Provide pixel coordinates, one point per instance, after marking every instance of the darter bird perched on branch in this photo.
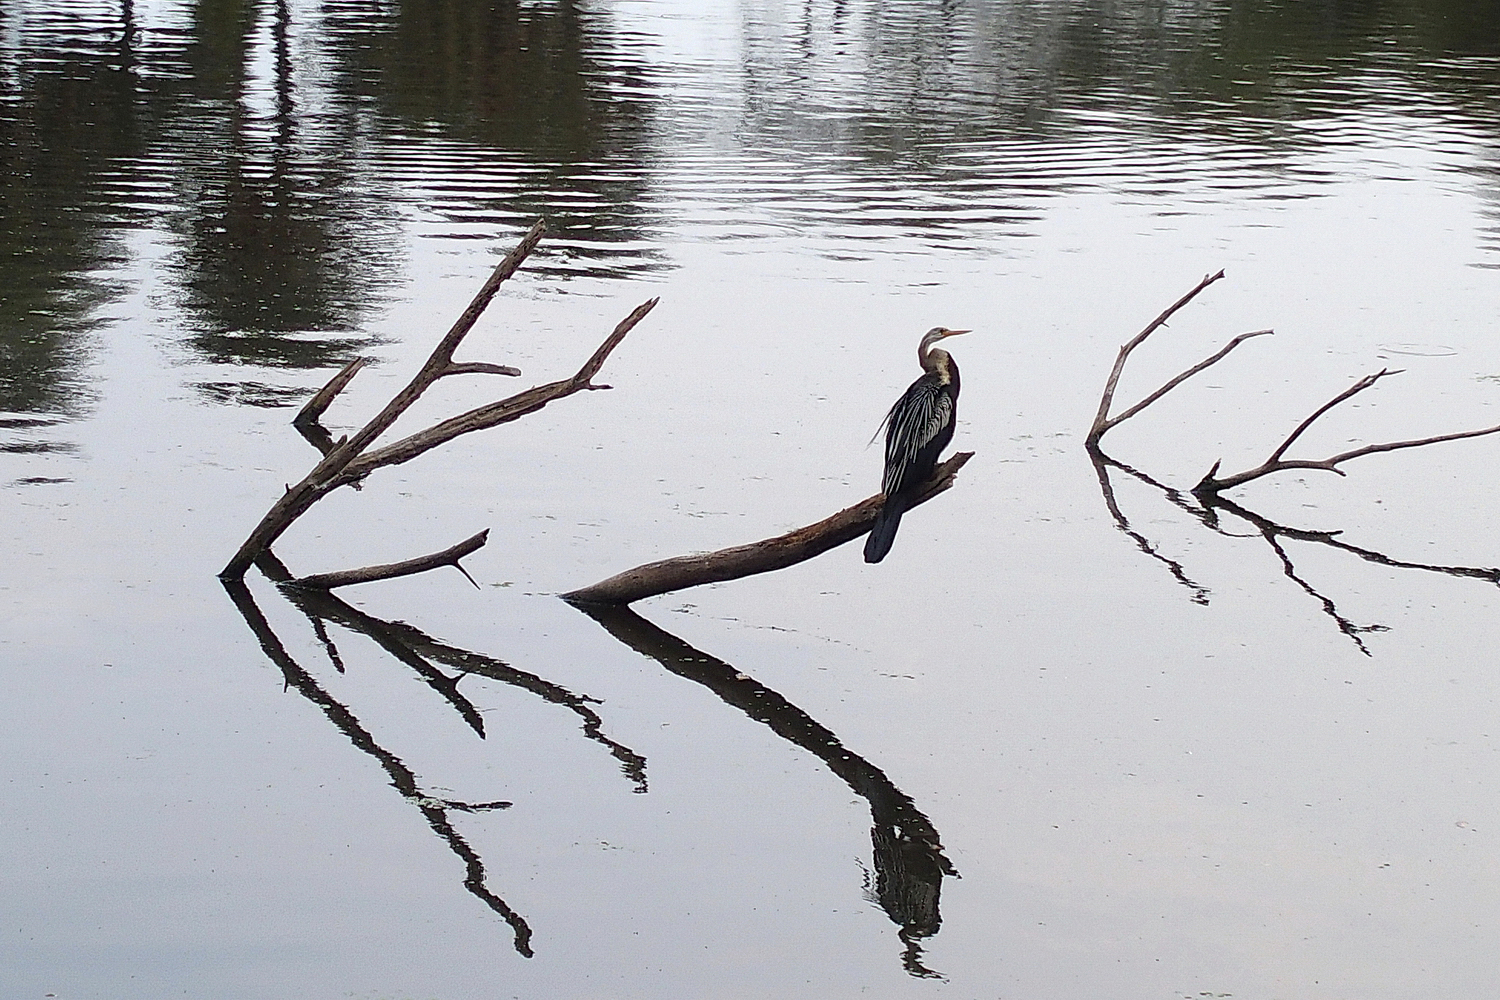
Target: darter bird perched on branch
(917, 429)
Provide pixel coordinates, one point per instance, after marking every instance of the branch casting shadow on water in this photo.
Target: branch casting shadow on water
(416, 649)
(1206, 508)
(435, 811)
(908, 855)
(412, 647)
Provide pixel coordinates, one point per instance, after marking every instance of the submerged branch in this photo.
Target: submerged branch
(758, 557)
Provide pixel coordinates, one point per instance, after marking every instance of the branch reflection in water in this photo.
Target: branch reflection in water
(416, 649)
(1207, 508)
(908, 855)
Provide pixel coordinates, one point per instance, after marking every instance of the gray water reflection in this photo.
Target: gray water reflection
(272, 146)
(422, 654)
(908, 855)
(908, 859)
(434, 810)
(1209, 510)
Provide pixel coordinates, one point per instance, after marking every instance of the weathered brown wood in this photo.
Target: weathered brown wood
(1098, 431)
(478, 368)
(314, 408)
(326, 475)
(387, 571)
(758, 557)
(348, 460)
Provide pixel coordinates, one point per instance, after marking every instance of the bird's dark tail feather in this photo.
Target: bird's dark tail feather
(883, 533)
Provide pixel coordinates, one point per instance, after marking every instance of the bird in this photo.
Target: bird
(917, 429)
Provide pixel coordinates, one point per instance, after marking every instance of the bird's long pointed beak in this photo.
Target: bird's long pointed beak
(955, 333)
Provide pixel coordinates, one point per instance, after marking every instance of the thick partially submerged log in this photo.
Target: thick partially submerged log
(758, 557)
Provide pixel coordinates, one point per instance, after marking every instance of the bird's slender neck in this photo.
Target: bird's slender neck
(934, 360)
(922, 351)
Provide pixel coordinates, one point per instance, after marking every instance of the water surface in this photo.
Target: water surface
(1081, 734)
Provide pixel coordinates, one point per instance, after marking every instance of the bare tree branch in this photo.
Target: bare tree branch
(345, 462)
(313, 409)
(758, 557)
(1175, 382)
(1212, 484)
(492, 414)
(387, 571)
(478, 368)
(1102, 422)
(325, 475)
(1353, 390)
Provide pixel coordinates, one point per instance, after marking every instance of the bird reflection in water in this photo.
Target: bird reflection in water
(909, 864)
(1208, 509)
(908, 856)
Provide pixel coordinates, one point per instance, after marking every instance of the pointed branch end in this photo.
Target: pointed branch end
(460, 567)
(1209, 485)
(313, 409)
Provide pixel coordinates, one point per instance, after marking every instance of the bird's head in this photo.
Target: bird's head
(936, 334)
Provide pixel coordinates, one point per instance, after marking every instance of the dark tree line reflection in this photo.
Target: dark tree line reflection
(1212, 512)
(271, 143)
(907, 854)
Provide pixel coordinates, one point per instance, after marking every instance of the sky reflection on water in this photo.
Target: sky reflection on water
(1173, 748)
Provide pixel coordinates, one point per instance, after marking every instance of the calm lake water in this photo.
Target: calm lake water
(1079, 736)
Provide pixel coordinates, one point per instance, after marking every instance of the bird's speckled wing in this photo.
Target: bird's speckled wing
(915, 434)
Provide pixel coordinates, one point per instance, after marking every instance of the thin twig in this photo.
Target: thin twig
(1212, 483)
(1353, 390)
(327, 474)
(492, 414)
(1176, 381)
(1101, 419)
(758, 557)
